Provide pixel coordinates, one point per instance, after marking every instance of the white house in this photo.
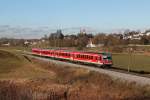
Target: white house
(90, 45)
(7, 44)
(148, 33)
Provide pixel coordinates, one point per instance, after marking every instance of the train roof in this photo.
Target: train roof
(85, 52)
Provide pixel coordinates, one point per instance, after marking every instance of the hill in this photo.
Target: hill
(13, 65)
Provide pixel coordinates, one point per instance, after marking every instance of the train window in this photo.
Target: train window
(100, 58)
(95, 58)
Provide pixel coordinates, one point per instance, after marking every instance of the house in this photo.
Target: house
(90, 44)
(7, 44)
(148, 34)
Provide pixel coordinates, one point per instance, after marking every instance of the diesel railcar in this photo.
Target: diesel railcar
(100, 59)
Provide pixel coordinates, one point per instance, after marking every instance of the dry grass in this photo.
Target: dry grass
(16, 66)
(86, 85)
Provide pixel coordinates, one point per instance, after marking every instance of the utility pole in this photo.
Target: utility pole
(130, 59)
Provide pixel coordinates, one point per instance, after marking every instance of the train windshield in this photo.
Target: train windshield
(107, 56)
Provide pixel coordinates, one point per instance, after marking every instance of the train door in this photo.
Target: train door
(99, 59)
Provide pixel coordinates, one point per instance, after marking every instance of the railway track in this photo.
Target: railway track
(115, 73)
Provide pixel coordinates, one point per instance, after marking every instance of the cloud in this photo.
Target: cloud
(20, 32)
(38, 32)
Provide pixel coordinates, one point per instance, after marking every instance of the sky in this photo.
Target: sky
(101, 14)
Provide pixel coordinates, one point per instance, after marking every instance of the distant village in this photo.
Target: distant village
(83, 39)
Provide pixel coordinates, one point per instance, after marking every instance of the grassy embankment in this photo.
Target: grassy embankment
(23, 79)
(14, 65)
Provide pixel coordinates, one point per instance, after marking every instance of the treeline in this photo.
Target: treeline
(59, 40)
(82, 39)
(16, 42)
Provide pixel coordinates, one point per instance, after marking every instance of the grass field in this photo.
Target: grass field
(14, 65)
(134, 61)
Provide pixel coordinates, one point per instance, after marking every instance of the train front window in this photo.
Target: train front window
(108, 57)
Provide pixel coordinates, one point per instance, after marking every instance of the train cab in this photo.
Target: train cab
(107, 59)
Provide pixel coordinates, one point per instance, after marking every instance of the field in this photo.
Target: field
(134, 61)
(23, 78)
(13, 65)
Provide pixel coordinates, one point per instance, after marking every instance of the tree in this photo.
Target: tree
(82, 40)
(55, 39)
(145, 40)
(99, 38)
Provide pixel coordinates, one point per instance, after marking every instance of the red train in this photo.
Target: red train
(100, 59)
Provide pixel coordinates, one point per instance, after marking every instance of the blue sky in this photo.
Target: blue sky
(102, 14)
